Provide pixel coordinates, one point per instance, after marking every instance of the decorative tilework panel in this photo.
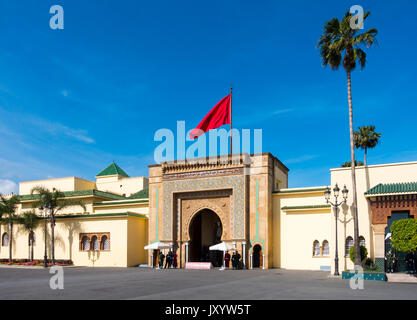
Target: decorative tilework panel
(236, 183)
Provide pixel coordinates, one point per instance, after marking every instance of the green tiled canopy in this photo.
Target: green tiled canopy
(142, 194)
(112, 169)
(408, 187)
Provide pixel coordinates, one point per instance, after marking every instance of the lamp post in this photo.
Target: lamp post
(43, 210)
(336, 205)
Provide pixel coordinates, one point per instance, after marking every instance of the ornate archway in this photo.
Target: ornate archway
(205, 230)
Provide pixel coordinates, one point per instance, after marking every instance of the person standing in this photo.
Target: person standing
(161, 260)
(227, 259)
(234, 257)
(389, 257)
(237, 260)
(168, 260)
(175, 260)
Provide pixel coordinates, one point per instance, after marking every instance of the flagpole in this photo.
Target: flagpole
(231, 126)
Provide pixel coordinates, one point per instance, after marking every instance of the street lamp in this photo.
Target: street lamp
(336, 204)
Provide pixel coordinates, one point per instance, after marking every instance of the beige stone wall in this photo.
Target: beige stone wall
(155, 203)
(137, 239)
(141, 208)
(122, 185)
(299, 220)
(62, 184)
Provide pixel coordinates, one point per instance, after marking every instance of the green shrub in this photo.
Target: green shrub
(370, 265)
(404, 235)
(364, 253)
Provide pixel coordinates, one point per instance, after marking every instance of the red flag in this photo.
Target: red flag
(218, 116)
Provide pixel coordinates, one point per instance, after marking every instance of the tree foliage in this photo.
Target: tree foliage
(348, 164)
(364, 253)
(342, 44)
(366, 138)
(8, 208)
(404, 235)
(29, 220)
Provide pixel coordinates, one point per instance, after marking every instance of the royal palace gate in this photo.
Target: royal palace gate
(199, 203)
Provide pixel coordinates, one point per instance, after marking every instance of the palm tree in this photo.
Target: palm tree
(8, 208)
(53, 202)
(342, 44)
(366, 138)
(348, 164)
(30, 221)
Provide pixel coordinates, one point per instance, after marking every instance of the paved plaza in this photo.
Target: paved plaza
(142, 283)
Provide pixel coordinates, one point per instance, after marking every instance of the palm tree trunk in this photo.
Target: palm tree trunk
(11, 242)
(353, 174)
(31, 247)
(53, 240)
(366, 150)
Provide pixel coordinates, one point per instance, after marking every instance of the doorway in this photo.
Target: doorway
(256, 256)
(205, 230)
(400, 265)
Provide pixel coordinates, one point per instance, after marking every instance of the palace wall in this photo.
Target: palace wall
(127, 237)
(366, 178)
(301, 217)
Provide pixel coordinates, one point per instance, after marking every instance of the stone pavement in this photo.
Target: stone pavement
(142, 283)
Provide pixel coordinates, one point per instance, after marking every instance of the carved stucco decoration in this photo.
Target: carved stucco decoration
(383, 207)
(191, 207)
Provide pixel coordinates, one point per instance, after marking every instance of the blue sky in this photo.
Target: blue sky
(73, 100)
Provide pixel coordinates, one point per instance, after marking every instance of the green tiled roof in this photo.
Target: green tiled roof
(101, 215)
(80, 193)
(112, 169)
(408, 187)
(142, 194)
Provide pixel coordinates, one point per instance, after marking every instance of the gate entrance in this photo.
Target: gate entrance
(205, 230)
(401, 264)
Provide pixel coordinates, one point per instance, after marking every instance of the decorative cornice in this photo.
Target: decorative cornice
(206, 164)
(116, 203)
(300, 190)
(202, 174)
(307, 207)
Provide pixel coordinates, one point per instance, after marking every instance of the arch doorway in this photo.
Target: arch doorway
(205, 230)
(256, 256)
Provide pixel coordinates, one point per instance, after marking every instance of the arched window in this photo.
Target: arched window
(32, 238)
(85, 244)
(94, 243)
(348, 245)
(326, 250)
(362, 241)
(105, 243)
(5, 240)
(316, 248)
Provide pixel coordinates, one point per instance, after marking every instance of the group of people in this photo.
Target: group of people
(235, 260)
(392, 261)
(170, 260)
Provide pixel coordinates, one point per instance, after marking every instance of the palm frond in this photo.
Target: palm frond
(342, 43)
